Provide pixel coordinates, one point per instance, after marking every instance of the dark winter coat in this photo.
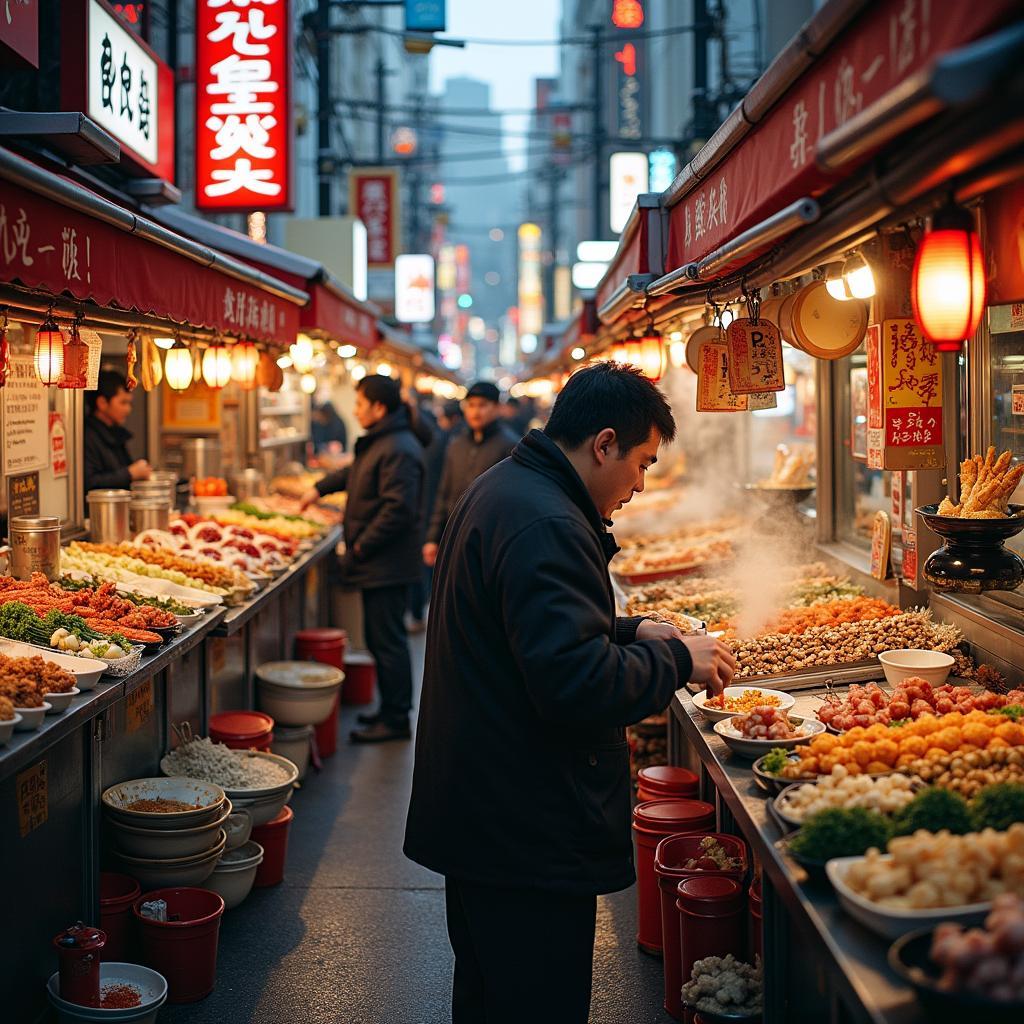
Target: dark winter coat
(105, 451)
(522, 770)
(383, 511)
(465, 459)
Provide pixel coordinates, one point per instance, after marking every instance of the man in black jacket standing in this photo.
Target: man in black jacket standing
(382, 531)
(485, 442)
(105, 440)
(521, 793)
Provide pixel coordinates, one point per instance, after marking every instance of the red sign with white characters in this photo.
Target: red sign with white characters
(374, 199)
(19, 32)
(243, 105)
(775, 164)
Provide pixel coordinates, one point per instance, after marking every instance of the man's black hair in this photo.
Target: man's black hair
(609, 395)
(110, 382)
(385, 390)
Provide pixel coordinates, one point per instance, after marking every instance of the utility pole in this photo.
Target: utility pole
(703, 121)
(324, 113)
(381, 100)
(597, 131)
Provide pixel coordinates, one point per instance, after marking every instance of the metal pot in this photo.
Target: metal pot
(249, 483)
(149, 515)
(108, 516)
(35, 546)
(201, 457)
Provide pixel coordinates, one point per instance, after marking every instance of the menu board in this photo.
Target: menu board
(755, 357)
(713, 393)
(23, 495)
(26, 411)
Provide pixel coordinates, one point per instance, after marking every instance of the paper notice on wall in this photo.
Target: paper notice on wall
(58, 446)
(95, 343)
(1017, 400)
(25, 436)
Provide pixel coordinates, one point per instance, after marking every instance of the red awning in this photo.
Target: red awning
(58, 237)
(729, 187)
(339, 315)
(641, 251)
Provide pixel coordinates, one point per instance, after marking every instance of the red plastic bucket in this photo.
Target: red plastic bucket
(711, 919)
(327, 646)
(669, 857)
(117, 894)
(756, 922)
(242, 730)
(184, 947)
(652, 821)
(661, 781)
(273, 837)
(360, 678)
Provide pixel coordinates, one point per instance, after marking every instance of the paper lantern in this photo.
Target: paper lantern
(308, 383)
(948, 288)
(49, 354)
(217, 365)
(245, 357)
(178, 368)
(302, 352)
(648, 354)
(76, 362)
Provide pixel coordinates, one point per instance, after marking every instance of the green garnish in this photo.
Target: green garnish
(998, 806)
(934, 809)
(840, 832)
(1015, 712)
(775, 760)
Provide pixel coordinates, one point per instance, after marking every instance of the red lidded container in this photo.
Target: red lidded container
(360, 678)
(117, 894)
(669, 857)
(326, 645)
(79, 949)
(756, 942)
(273, 837)
(712, 919)
(242, 730)
(652, 821)
(660, 781)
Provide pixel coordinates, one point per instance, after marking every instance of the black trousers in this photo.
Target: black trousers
(384, 627)
(521, 955)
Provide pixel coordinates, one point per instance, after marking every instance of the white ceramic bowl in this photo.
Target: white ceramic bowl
(254, 794)
(297, 692)
(151, 985)
(168, 843)
(232, 880)
(891, 924)
(739, 744)
(31, 718)
(293, 742)
(238, 827)
(264, 808)
(786, 701)
(188, 621)
(60, 701)
(117, 798)
(7, 727)
(173, 872)
(87, 671)
(932, 666)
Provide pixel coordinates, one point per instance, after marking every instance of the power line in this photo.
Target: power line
(622, 37)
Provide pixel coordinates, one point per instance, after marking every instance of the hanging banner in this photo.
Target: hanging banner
(904, 398)
(713, 394)
(243, 106)
(755, 357)
(374, 197)
(19, 33)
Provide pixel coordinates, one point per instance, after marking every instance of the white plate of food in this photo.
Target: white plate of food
(798, 730)
(738, 700)
(87, 671)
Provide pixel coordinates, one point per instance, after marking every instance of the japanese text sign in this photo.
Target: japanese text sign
(755, 357)
(32, 790)
(243, 105)
(374, 199)
(904, 398)
(19, 31)
(713, 394)
(119, 82)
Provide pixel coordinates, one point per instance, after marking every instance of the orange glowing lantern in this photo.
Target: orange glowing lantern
(948, 289)
(245, 358)
(217, 365)
(76, 362)
(647, 353)
(49, 353)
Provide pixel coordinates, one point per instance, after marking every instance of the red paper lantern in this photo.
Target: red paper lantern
(245, 357)
(49, 353)
(948, 290)
(647, 353)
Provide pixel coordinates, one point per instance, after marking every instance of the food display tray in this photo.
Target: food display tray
(813, 678)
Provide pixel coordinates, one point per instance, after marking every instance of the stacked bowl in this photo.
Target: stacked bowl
(167, 831)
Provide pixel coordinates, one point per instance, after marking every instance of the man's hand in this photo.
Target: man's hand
(140, 470)
(651, 630)
(713, 663)
(308, 497)
(429, 554)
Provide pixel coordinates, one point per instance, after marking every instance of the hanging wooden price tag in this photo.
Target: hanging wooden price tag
(755, 356)
(713, 392)
(762, 400)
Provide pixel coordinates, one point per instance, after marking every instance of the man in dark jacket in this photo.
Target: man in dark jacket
(484, 443)
(521, 793)
(382, 531)
(105, 440)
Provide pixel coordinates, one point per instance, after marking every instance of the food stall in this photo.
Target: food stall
(829, 293)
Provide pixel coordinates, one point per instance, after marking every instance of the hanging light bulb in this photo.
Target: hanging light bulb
(284, 361)
(245, 357)
(578, 353)
(308, 383)
(49, 353)
(76, 362)
(859, 279)
(384, 369)
(677, 352)
(647, 353)
(358, 371)
(217, 365)
(302, 352)
(164, 343)
(347, 351)
(835, 283)
(178, 367)
(948, 286)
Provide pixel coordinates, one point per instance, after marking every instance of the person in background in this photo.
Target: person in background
(516, 415)
(107, 462)
(484, 443)
(450, 420)
(382, 536)
(328, 428)
(529, 682)
(419, 592)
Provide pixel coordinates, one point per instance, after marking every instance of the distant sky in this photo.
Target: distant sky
(509, 70)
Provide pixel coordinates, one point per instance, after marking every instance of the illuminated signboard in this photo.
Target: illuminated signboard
(414, 288)
(243, 105)
(531, 297)
(627, 179)
(374, 199)
(627, 13)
